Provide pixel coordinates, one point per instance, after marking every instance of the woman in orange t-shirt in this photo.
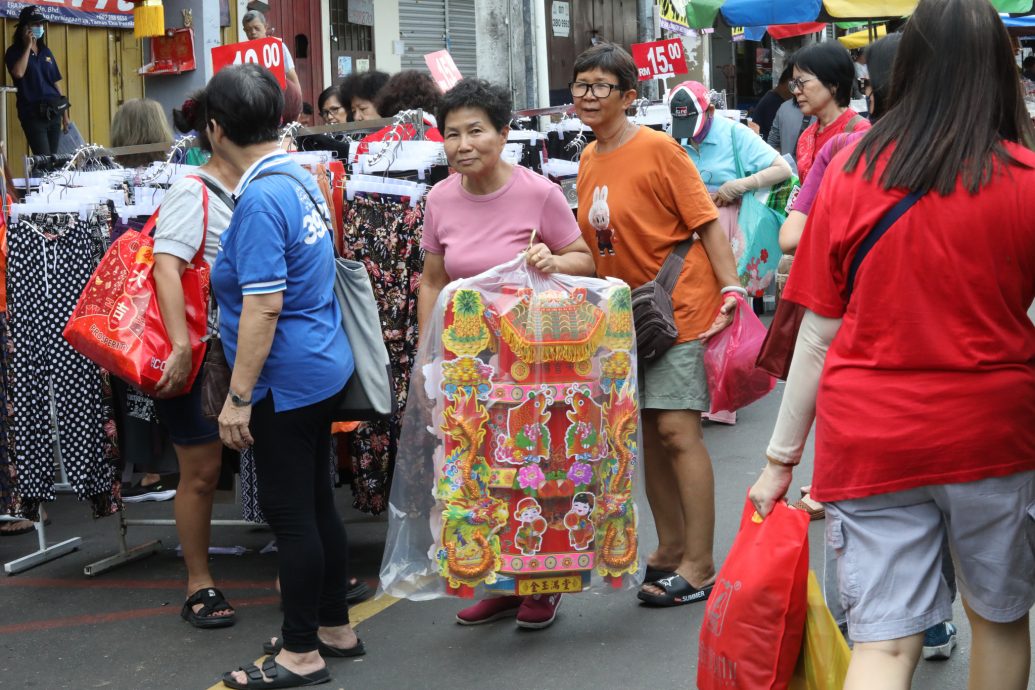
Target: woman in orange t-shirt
(639, 197)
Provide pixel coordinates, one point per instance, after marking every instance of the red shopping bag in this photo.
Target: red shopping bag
(117, 324)
(729, 362)
(753, 625)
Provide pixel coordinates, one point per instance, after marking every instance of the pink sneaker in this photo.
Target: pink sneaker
(488, 610)
(538, 611)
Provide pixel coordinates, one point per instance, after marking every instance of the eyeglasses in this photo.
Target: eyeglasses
(579, 89)
(333, 110)
(799, 83)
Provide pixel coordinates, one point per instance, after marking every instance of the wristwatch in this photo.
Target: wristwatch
(238, 401)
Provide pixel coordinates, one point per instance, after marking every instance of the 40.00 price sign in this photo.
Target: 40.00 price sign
(659, 59)
(268, 52)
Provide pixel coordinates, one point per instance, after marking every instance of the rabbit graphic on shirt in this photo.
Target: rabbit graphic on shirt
(600, 219)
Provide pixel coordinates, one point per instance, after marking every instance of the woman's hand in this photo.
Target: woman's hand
(177, 369)
(233, 425)
(542, 258)
(771, 487)
(723, 319)
(730, 192)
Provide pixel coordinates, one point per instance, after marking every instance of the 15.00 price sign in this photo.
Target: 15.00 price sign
(659, 59)
(268, 52)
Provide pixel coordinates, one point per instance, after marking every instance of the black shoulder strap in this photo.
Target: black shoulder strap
(673, 266)
(879, 230)
(218, 191)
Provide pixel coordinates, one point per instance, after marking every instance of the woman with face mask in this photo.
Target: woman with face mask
(42, 110)
(717, 144)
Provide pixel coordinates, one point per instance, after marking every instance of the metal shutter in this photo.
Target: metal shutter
(429, 25)
(461, 33)
(422, 28)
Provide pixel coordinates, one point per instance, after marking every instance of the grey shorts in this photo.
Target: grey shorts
(676, 381)
(889, 547)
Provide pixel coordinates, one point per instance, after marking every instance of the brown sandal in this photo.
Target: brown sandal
(815, 513)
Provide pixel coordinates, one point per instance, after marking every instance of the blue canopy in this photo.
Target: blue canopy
(1019, 22)
(765, 12)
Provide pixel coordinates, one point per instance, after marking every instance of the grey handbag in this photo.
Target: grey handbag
(369, 394)
(653, 315)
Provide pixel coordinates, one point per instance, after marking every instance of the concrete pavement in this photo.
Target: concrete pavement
(121, 630)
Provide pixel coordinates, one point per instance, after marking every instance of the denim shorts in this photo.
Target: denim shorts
(676, 381)
(182, 417)
(889, 550)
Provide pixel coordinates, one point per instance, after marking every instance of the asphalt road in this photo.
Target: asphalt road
(121, 630)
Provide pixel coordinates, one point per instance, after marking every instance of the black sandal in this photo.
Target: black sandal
(677, 591)
(273, 648)
(358, 590)
(273, 675)
(212, 601)
(654, 574)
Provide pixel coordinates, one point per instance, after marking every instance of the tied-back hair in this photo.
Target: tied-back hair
(955, 96)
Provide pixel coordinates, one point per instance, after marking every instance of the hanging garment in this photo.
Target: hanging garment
(384, 233)
(51, 256)
(8, 472)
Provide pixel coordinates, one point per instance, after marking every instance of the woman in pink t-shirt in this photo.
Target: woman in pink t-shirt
(479, 219)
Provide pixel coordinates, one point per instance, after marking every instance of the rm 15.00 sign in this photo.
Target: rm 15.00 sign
(268, 52)
(659, 59)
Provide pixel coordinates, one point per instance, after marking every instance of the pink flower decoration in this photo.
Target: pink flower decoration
(531, 477)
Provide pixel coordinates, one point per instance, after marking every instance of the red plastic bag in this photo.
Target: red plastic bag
(729, 362)
(753, 626)
(117, 323)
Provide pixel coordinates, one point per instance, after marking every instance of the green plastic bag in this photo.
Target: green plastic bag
(1012, 5)
(823, 663)
(700, 14)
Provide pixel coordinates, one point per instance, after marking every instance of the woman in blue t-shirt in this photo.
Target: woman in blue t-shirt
(42, 110)
(280, 325)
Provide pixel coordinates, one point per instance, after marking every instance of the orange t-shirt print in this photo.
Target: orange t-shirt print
(635, 205)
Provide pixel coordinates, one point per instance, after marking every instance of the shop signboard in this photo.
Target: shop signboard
(268, 52)
(673, 16)
(443, 69)
(115, 14)
(560, 15)
(361, 12)
(659, 59)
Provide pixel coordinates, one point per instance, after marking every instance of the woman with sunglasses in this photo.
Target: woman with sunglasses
(823, 77)
(640, 196)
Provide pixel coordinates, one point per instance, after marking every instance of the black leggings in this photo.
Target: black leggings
(292, 450)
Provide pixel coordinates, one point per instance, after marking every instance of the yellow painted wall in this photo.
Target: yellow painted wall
(99, 69)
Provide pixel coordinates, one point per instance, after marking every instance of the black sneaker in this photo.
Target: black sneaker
(162, 490)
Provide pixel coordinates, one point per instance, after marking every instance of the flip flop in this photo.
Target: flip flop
(273, 648)
(357, 592)
(677, 592)
(273, 675)
(22, 530)
(654, 574)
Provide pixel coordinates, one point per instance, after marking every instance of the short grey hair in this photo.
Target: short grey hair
(251, 15)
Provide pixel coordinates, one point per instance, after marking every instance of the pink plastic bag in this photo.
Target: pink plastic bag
(729, 361)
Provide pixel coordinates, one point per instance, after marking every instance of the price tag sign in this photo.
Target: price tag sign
(268, 52)
(443, 70)
(659, 59)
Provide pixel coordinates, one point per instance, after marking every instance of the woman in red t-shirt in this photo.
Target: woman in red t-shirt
(921, 371)
(822, 85)
(923, 404)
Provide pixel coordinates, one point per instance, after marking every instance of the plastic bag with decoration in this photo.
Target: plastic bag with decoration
(753, 624)
(117, 323)
(518, 469)
(729, 362)
(823, 662)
